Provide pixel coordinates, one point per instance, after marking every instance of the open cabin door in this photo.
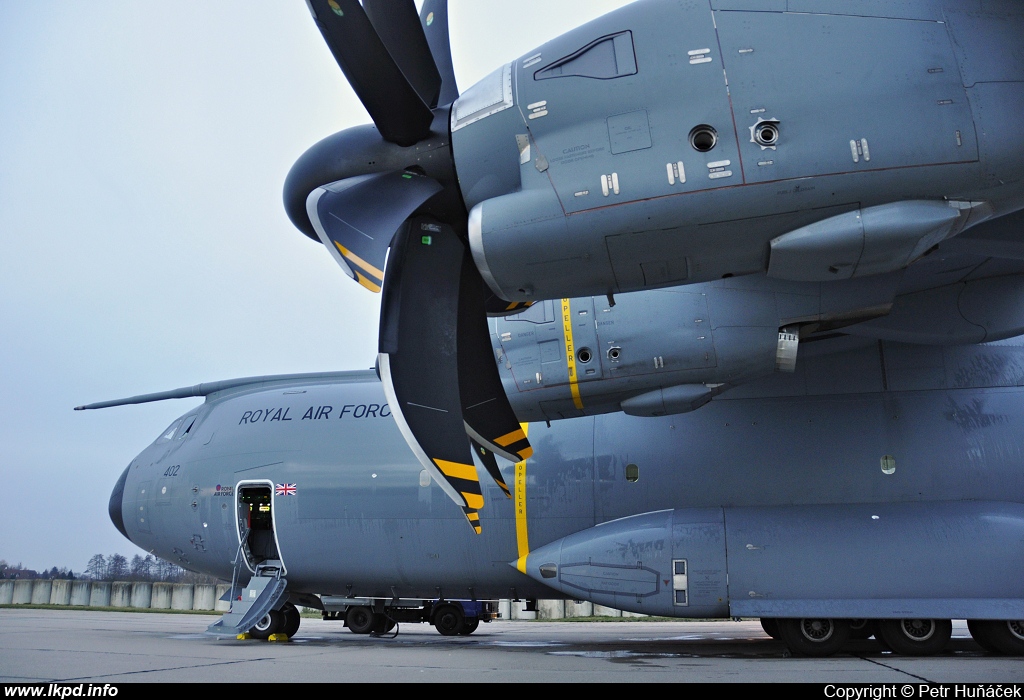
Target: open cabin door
(257, 535)
(258, 549)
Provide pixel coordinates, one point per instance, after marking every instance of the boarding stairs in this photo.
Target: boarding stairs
(265, 592)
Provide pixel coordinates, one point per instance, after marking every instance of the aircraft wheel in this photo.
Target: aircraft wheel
(269, 624)
(916, 637)
(999, 636)
(469, 625)
(448, 619)
(770, 625)
(814, 636)
(359, 619)
(291, 620)
(861, 629)
(979, 632)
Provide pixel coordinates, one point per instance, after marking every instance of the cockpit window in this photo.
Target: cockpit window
(169, 433)
(186, 427)
(490, 96)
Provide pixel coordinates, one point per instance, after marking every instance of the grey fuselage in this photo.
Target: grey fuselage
(802, 458)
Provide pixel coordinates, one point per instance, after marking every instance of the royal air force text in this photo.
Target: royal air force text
(361, 410)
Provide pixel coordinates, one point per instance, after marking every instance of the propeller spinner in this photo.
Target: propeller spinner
(366, 190)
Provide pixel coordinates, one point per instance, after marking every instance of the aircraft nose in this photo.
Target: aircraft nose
(116, 498)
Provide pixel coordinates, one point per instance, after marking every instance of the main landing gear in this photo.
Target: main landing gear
(907, 637)
(999, 636)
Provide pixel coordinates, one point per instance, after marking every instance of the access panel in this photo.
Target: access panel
(846, 94)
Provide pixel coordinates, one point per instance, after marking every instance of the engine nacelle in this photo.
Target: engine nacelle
(653, 354)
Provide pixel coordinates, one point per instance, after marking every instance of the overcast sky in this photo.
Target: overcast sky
(143, 244)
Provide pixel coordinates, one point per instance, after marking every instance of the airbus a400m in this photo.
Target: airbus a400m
(666, 143)
(659, 211)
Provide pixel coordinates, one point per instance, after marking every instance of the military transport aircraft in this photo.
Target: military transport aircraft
(825, 144)
(881, 481)
(657, 210)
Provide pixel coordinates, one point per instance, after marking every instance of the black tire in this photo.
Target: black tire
(999, 636)
(292, 619)
(875, 630)
(980, 634)
(469, 625)
(269, 624)
(359, 619)
(770, 625)
(814, 636)
(915, 637)
(448, 619)
(861, 629)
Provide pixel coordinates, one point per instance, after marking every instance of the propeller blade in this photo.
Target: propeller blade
(498, 307)
(434, 18)
(394, 104)
(399, 28)
(489, 418)
(356, 218)
(418, 356)
(491, 465)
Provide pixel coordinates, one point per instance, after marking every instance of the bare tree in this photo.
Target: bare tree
(97, 567)
(117, 567)
(140, 567)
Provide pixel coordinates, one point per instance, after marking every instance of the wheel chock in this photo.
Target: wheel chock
(244, 635)
(278, 638)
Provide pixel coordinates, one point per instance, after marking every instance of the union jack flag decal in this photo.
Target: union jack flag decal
(285, 490)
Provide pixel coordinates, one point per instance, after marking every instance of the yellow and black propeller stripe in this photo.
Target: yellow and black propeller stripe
(491, 465)
(419, 362)
(357, 218)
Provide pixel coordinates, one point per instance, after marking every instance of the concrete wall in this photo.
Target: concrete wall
(186, 596)
(22, 592)
(204, 596)
(99, 594)
(60, 593)
(550, 609)
(120, 594)
(519, 611)
(221, 605)
(41, 591)
(181, 596)
(161, 599)
(578, 608)
(80, 592)
(142, 594)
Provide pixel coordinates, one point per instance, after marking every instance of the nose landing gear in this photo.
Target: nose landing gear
(284, 621)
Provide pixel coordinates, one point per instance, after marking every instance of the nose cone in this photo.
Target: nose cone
(356, 151)
(116, 498)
